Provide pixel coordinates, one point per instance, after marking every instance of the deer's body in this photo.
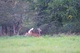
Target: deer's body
(32, 33)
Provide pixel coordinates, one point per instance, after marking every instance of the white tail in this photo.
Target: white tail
(30, 31)
(35, 34)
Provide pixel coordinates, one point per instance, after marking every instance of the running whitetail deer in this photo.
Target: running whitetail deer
(31, 32)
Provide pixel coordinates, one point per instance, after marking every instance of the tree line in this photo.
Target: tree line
(52, 16)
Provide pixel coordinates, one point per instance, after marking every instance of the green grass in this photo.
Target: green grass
(22, 44)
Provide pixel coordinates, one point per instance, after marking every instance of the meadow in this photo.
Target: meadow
(45, 44)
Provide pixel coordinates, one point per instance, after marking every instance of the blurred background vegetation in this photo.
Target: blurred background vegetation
(52, 16)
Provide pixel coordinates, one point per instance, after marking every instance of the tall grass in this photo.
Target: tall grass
(22, 44)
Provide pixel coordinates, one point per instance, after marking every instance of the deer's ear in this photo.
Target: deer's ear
(39, 29)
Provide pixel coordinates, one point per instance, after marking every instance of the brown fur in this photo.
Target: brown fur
(32, 33)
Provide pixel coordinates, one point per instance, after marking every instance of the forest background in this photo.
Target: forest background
(52, 16)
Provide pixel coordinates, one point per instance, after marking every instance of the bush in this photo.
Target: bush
(70, 28)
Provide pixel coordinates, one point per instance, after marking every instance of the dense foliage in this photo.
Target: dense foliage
(52, 16)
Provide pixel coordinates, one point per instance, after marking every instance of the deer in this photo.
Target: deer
(32, 33)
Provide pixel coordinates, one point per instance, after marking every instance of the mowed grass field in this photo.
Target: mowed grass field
(22, 44)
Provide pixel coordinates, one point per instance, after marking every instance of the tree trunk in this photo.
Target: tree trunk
(4, 30)
(14, 30)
